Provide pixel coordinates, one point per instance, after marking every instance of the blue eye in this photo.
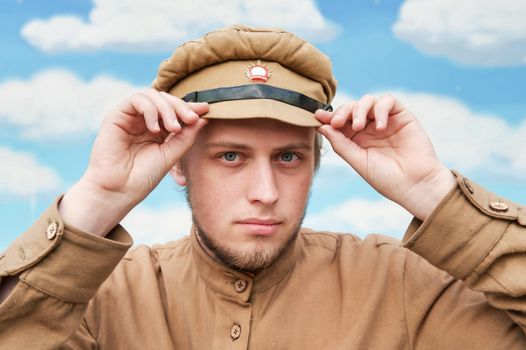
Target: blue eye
(230, 156)
(287, 157)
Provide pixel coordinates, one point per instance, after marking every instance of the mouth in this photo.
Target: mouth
(261, 227)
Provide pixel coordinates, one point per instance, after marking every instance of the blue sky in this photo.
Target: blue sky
(460, 67)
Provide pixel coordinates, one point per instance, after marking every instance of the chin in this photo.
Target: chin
(248, 253)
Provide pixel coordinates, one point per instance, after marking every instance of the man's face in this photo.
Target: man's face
(248, 184)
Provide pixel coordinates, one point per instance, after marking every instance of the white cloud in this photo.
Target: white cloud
(517, 144)
(468, 140)
(56, 103)
(361, 217)
(462, 138)
(23, 175)
(477, 32)
(160, 25)
(150, 225)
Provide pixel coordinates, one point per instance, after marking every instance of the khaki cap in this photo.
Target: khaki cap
(240, 56)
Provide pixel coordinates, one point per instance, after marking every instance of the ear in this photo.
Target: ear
(178, 175)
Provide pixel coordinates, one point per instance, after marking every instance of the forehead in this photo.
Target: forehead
(255, 131)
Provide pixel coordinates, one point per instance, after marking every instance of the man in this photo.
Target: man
(248, 276)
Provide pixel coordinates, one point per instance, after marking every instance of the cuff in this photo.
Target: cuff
(62, 261)
(463, 229)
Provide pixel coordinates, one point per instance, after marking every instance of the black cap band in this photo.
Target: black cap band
(257, 91)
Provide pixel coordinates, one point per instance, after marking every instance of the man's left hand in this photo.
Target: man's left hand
(386, 145)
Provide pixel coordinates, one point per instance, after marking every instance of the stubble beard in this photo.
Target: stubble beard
(251, 261)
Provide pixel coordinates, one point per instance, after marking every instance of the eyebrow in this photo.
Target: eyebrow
(234, 145)
(227, 145)
(300, 145)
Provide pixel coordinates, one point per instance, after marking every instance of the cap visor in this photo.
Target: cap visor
(261, 108)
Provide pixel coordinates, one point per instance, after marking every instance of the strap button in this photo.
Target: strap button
(498, 206)
(52, 229)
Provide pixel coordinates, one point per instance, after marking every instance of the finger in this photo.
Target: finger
(344, 147)
(199, 107)
(143, 106)
(177, 145)
(323, 116)
(360, 111)
(182, 109)
(342, 114)
(165, 110)
(382, 109)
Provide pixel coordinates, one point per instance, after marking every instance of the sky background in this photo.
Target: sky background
(460, 66)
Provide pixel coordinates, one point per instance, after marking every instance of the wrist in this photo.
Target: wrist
(91, 209)
(425, 196)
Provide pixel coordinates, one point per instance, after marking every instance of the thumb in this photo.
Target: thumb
(349, 151)
(178, 144)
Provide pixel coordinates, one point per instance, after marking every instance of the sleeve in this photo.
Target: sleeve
(60, 268)
(478, 240)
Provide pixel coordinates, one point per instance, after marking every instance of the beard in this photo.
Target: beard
(251, 261)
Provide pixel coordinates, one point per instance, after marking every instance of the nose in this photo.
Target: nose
(262, 184)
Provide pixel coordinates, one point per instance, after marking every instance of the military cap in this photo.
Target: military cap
(246, 72)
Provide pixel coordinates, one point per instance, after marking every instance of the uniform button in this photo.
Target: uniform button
(235, 332)
(52, 229)
(240, 285)
(498, 206)
(468, 186)
(22, 253)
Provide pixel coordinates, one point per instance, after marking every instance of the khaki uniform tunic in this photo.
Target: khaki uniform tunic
(329, 291)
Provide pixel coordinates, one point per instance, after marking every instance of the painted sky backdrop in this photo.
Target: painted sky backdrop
(460, 66)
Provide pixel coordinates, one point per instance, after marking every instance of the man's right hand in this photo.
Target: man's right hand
(138, 143)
